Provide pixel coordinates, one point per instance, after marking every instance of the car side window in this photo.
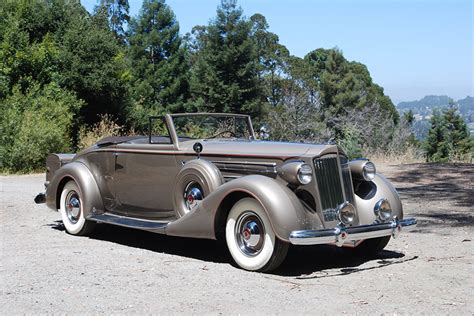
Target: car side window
(158, 131)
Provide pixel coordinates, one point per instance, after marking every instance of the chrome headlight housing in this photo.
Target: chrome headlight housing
(346, 213)
(383, 210)
(362, 169)
(296, 172)
(368, 171)
(305, 174)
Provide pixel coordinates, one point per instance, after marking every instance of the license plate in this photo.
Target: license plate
(330, 215)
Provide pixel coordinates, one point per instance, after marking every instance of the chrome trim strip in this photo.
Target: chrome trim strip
(258, 163)
(154, 226)
(340, 234)
(246, 168)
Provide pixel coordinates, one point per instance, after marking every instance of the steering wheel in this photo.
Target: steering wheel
(223, 132)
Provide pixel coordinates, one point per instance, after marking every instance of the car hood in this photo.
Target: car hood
(282, 150)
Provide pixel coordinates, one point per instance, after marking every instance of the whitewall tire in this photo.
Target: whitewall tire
(72, 210)
(250, 237)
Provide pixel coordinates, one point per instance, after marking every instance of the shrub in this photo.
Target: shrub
(105, 127)
(34, 124)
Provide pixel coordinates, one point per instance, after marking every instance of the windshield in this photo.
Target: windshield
(196, 126)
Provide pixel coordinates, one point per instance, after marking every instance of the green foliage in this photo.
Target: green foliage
(35, 124)
(158, 63)
(448, 138)
(350, 142)
(62, 69)
(344, 85)
(92, 65)
(224, 73)
(117, 12)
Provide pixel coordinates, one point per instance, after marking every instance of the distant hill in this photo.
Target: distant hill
(466, 107)
(423, 109)
(425, 105)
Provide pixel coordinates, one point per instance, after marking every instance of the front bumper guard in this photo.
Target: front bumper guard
(341, 234)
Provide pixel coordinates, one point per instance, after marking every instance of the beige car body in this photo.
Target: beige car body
(136, 184)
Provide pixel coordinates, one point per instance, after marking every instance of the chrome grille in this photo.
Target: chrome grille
(347, 179)
(328, 177)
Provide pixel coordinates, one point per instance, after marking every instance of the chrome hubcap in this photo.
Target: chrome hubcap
(73, 206)
(250, 234)
(192, 194)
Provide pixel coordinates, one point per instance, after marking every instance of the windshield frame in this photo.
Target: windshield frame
(173, 131)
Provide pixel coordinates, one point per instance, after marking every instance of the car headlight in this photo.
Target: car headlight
(383, 210)
(305, 174)
(368, 171)
(362, 169)
(346, 213)
(296, 172)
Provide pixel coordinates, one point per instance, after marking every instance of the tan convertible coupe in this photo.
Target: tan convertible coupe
(207, 176)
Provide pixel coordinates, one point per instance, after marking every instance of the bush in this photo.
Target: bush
(105, 127)
(34, 124)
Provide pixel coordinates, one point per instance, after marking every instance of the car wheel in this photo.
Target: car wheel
(72, 211)
(371, 247)
(250, 237)
(194, 182)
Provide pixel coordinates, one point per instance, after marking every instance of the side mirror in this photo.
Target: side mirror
(264, 132)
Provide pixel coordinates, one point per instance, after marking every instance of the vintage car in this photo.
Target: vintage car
(207, 176)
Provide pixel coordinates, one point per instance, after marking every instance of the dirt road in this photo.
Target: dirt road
(118, 270)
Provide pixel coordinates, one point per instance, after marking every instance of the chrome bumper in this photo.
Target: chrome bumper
(341, 234)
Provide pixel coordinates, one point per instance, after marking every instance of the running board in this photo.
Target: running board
(143, 224)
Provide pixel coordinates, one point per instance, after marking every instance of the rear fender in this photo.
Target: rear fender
(77, 171)
(285, 211)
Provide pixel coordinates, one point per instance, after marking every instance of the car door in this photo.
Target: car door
(144, 173)
(143, 180)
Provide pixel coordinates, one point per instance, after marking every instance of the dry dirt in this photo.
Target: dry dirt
(118, 270)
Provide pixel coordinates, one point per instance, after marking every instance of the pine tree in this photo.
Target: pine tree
(224, 74)
(436, 145)
(448, 138)
(117, 12)
(457, 133)
(158, 61)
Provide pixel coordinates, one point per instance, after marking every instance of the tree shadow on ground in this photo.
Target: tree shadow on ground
(429, 222)
(300, 260)
(307, 262)
(431, 182)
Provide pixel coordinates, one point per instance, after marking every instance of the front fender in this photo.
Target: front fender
(285, 211)
(384, 189)
(78, 172)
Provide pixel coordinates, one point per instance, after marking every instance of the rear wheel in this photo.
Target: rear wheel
(72, 211)
(371, 247)
(250, 238)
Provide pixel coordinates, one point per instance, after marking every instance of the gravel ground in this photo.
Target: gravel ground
(118, 270)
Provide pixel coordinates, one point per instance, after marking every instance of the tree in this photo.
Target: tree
(224, 75)
(117, 12)
(272, 60)
(159, 69)
(448, 137)
(344, 85)
(92, 65)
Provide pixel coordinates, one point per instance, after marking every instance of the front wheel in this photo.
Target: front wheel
(72, 211)
(371, 247)
(251, 239)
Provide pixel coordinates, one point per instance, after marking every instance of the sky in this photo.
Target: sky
(412, 48)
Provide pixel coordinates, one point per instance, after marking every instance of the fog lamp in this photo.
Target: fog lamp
(346, 213)
(383, 210)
